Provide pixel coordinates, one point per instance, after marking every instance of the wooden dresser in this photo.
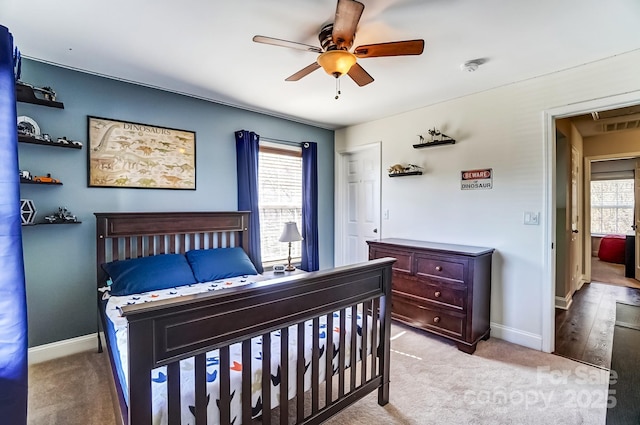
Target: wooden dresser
(441, 288)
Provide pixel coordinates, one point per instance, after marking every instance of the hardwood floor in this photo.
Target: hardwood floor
(585, 331)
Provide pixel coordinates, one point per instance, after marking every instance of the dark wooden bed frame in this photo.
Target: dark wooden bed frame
(166, 331)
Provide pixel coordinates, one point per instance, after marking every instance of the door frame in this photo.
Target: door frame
(340, 192)
(549, 116)
(587, 196)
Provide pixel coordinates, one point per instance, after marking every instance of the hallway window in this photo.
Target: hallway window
(612, 204)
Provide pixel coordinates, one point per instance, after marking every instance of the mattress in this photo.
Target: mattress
(117, 334)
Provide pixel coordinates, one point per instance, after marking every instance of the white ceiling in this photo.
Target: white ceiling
(205, 48)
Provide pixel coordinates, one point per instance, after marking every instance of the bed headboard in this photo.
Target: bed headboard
(123, 235)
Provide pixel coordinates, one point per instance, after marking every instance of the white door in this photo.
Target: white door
(636, 209)
(574, 244)
(361, 203)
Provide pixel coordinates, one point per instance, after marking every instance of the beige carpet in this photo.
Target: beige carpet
(70, 391)
(611, 273)
(431, 383)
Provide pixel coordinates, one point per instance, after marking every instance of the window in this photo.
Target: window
(279, 200)
(612, 203)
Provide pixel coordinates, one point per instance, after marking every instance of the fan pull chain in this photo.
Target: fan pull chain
(338, 92)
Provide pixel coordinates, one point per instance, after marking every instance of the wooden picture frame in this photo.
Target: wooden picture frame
(133, 155)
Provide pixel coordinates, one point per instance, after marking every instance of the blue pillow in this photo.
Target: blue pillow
(148, 274)
(219, 263)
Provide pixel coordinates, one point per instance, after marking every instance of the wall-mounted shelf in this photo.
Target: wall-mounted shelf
(47, 224)
(435, 143)
(25, 93)
(27, 181)
(28, 139)
(409, 173)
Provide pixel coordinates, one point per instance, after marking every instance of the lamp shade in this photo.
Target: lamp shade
(290, 232)
(336, 62)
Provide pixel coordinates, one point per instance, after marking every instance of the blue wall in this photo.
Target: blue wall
(60, 260)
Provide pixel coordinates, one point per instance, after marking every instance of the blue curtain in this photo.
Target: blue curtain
(13, 305)
(247, 168)
(310, 260)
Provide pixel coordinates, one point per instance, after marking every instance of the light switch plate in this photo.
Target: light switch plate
(531, 218)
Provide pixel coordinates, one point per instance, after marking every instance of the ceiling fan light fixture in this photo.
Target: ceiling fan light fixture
(336, 62)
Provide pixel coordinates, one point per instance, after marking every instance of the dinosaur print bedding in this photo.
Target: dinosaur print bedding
(159, 377)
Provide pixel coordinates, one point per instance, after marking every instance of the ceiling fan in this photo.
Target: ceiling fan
(337, 38)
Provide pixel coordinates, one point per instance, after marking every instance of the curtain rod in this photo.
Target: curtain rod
(286, 142)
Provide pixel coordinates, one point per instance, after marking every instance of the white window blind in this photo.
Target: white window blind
(279, 201)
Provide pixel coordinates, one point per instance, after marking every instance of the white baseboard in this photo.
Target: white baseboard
(55, 350)
(516, 336)
(564, 303)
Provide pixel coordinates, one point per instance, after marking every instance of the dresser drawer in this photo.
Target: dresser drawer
(435, 267)
(417, 315)
(439, 294)
(403, 259)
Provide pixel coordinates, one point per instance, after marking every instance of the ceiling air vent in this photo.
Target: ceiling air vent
(621, 125)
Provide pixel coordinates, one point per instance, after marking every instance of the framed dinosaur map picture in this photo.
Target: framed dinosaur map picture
(134, 155)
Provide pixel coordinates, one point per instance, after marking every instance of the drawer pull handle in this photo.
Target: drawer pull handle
(439, 268)
(436, 319)
(437, 294)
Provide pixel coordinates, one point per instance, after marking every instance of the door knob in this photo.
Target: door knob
(375, 230)
(575, 231)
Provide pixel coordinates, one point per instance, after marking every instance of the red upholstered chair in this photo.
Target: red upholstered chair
(612, 249)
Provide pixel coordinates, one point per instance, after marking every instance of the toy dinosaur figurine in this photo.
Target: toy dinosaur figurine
(396, 168)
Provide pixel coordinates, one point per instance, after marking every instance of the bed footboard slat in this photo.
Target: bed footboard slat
(384, 351)
(200, 379)
(173, 392)
(374, 334)
(266, 379)
(354, 346)
(366, 307)
(342, 348)
(300, 370)
(329, 353)
(225, 386)
(246, 381)
(284, 376)
(315, 364)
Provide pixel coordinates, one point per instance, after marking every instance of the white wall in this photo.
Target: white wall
(502, 129)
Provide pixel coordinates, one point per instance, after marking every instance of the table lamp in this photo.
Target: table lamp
(290, 234)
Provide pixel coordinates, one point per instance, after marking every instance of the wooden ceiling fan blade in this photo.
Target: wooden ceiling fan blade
(359, 75)
(348, 13)
(285, 43)
(394, 48)
(303, 72)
